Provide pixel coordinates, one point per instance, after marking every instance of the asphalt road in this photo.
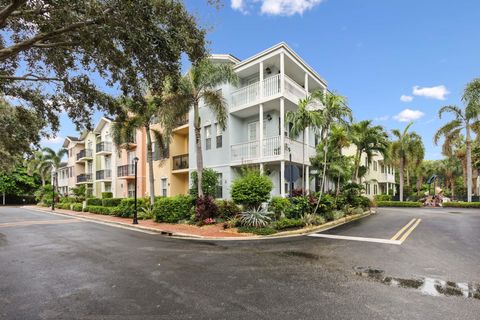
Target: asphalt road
(53, 267)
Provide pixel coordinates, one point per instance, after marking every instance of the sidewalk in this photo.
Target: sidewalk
(180, 230)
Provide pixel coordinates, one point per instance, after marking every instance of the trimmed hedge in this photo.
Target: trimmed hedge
(286, 223)
(399, 204)
(383, 197)
(94, 202)
(173, 209)
(111, 202)
(100, 210)
(258, 231)
(77, 207)
(462, 204)
(65, 206)
(107, 195)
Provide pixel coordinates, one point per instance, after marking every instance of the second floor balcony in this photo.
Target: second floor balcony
(85, 178)
(85, 154)
(249, 152)
(271, 88)
(104, 147)
(126, 171)
(105, 174)
(180, 162)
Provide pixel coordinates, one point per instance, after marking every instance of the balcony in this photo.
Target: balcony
(84, 155)
(249, 152)
(126, 171)
(104, 148)
(180, 162)
(251, 95)
(84, 178)
(105, 174)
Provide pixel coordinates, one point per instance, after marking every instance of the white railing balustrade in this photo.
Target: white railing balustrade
(271, 147)
(246, 95)
(294, 88)
(245, 151)
(271, 86)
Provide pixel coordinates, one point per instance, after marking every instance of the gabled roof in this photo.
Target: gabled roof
(70, 139)
(103, 121)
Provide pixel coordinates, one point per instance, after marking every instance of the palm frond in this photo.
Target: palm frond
(217, 103)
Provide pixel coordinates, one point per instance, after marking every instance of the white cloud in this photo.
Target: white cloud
(238, 5)
(53, 140)
(408, 115)
(405, 98)
(438, 92)
(276, 7)
(382, 118)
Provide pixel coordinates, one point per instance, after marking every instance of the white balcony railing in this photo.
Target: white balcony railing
(271, 86)
(271, 150)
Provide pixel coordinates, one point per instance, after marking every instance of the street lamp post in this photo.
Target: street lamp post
(135, 219)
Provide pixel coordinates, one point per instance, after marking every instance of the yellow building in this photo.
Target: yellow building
(170, 168)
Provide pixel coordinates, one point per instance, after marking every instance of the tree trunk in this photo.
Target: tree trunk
(401, 178)
(150, 164)
(453, 187)
(469, 164)
(43, 181)
(408, 177)
(358, 157)
(198, 144)
(338, 187)
(3, 197)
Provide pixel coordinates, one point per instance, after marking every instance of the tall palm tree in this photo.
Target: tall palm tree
(403, 148)
(39, 164)
(368, 139)
(465, 120)
(140, 115)
(334, 111)
(201, 84)
(339, 139)
(54, 159)
(305, 117)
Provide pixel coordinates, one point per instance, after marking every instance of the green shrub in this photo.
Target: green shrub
(286, 223)
(79, 193)
(77, 207)
(146, 213)
(173, 209)
(334, 215)
(299, 206)
(251, 189)
(65, 206)
(279, 206)
(358, 210)
(126, 208)
(100, 210)
(227, 209)
(327, 203)
(205, 208)
(462, 204)
(111, 202)
(68, 200)
(107, 195)
(398, 204)
(43, 192)
(258, 231)
(94, 202)
(209, 183)
(255, 218)
(383, 197)
(311, 219)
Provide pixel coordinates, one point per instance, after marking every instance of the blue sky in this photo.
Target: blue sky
(374, 52)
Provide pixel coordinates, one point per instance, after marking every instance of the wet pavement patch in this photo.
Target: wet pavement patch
(425, 285)
(299, 254)
(3, 239)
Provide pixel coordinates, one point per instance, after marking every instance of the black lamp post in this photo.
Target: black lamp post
(135, 219)
(54, 175)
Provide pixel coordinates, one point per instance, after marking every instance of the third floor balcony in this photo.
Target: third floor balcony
(104, 148)
(85, 155)
(180, 162)
(105, 174)
(271, 88)
(126, 171)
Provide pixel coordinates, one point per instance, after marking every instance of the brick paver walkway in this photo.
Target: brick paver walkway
(210, 231)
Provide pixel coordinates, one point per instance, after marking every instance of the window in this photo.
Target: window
(131, 190)
(375, 165)
(108, 187)
(375, 189)
(382, 168)
(163, 186)
(208, 137)
(366, 163)
(219, 136)
(219, 191)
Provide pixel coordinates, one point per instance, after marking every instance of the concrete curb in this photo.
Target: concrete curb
(279, 235)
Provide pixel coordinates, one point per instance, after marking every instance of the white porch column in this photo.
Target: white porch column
(260, 116)
(387, 188)
(306, 83)
(282, 73)
(260, 71)
(282, 127)
(282, 178)
(307, 179)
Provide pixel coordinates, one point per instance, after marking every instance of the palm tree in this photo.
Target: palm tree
(466, 120)
(201, 84)
(54, 159)
(368, 139)
(305, 117)
(140, 115)
(335, 111)
(339, 139)
(38, 164)
(403, 148)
